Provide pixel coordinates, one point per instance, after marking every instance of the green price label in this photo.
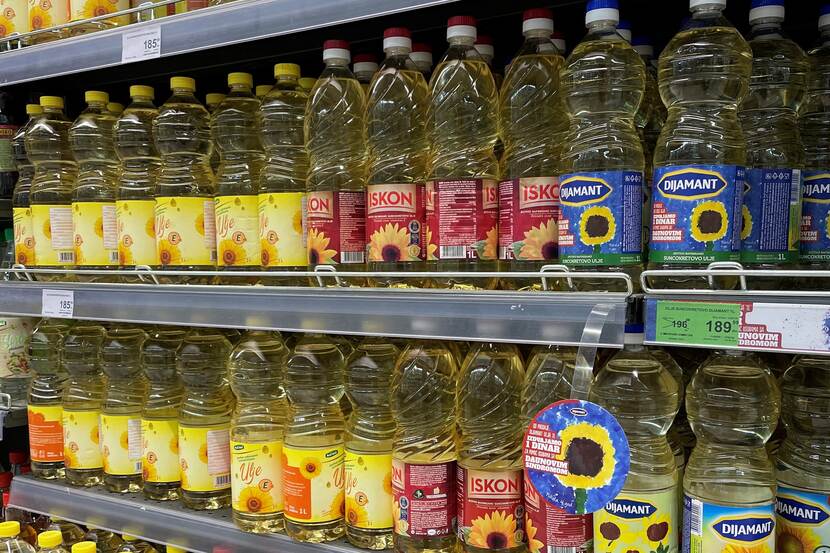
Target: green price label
(697, 323)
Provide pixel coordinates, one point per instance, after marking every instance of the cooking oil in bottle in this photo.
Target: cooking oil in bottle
(601, 187)
(314, 473)
(398, 149)
(369, 433)
(115, 108)
(462, 196)
(71, 532)
(643, 395)
(10, 540)
(423, 450)
(484, 47)
(257, 367)
(24, 240)
(212, 100)
(422, 56)
(134, 545)
(83, 397)
(533, 124)
(204, 420)
(701, 153)
(365, 67)
(103, 541)
(51, 541)
(306, 84)
(283, 180)
(159, 414)
(729, 483)
(47, 145)
(336, 141)
(134, 196)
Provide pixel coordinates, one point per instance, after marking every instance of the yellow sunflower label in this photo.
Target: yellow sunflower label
(313, 483)
(803, 520)
(369, 490)
(490, 510)
(96, 233)
(84, 9)
(205, 458)
(237, 231)
(45, 433)
(256, 477)
(81, 440)
(47, 13)
(185, 231)
(160, 450)
(136, 232)
(281, 239)
(52, 229)
(24, 238)
(14, 17)
(121, 444)
(710, 527)
(631, 520)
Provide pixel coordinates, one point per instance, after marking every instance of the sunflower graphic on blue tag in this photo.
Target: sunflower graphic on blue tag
(576, 456)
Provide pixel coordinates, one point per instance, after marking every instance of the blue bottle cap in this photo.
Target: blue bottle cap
(762, 3)
(602, 10)
(825, 10)
(600, 4)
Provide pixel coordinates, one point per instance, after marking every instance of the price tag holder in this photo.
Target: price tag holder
(59, 304)
(141, 44)
(694, 323)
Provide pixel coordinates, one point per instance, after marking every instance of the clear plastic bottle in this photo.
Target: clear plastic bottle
(462, 197)
(701, 153)
(51, 541)
(314, 441)
(257, 367)
(336, 141)
(83, 397)
(729, 483)
(601, 192)
(10, 542)
(398, 149)
(70, 532)
(104, 541)
(306, 84)
(24, 240)
(558, 39)
(423, 451)
(422, 56)
(533, 124)
(134, 545)
(369, 433)
(484, 47)
(365, 67)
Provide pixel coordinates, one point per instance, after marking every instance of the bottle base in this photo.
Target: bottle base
(206, 501)
(48, 471)
(375, 540)
(84, 478)
(162, 491)
(315, 533)
(122, 484)
(446, 544)
(680, 282)
(259, 524)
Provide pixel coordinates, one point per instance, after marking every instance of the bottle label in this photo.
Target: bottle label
(771, 216)
(45, 13)
(632, 520)
(52, 229)
(24, 238)
(708, 527)
(14, 17)
(424, 499)
(313, 483)
(14, 337)
(256, 477)
(6, 131)
(549, 528)
(462, 219)
(336, 227)
(696, 214)
(601, 218)
(205, 458)
(96, 233)
(136, 232)
(186, 6)
(185, 231)
(160, 450)
(369, 490)
(84, 9)
(528, 219)
(490, 509)
(803, 520)
(45, 433)
(281, 238)
(121, 444)
(81, 440)
(237, 231)
(395, 215)
(815, 217)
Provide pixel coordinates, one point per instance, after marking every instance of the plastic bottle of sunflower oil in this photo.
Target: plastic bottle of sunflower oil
(159, 415)
(71, 532)
(484, 47)
(51, 541)
(103, 541)
(643, 395)
(204, 420)
(335, 135)
(423, 450)
(24, 242)
(729, 484)
(364, 67)
(533, 123)
(83, 397)
(257, 367)
(10, 540)
(462, 196)
(369, 433)
(700, 156)
(314, 473)
(212, 101)
(601, 186)
(422, 56)
(398, 149)
(134, 545)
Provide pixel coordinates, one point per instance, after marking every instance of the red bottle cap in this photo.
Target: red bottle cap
(421, 47)
(5, 479)
(362, 58)
(396, 31)
(342, 44)
(537, 13)
(484, 39)
(461, 20)
(17, 457)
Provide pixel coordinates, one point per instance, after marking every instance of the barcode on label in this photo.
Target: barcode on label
(557, 549)
(352, 257)
(114, 256)
(795, 187)
(213, 257)
(453, 252)
(696, 517)
(66, 257)
(220, 481)
(138, 467)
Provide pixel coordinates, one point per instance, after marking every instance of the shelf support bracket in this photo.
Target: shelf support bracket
(587, 353)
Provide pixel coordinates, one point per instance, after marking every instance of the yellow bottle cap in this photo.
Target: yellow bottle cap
(51, 102)
(214, 98)
(115, 107)
(85, 547)
(263, 89)
(183, 82)
(287, 70)
(129, 537)
(33, 109)
(52, 538)
(141, 90)
(307, 83)
(96, 96)
(240, 78)
(9, 529)
(174, 549)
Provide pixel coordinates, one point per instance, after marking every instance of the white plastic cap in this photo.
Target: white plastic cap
(537, 24)
(767, 12)
(696, 3)
(421, 57)
(560, 43)
(365, 67)
(486, 50)
(645, 50)
(824, 21)
(397, 42)
(336, 49)
(602, 14)
(462, 26)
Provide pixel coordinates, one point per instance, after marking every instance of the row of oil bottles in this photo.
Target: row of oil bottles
(417, 445)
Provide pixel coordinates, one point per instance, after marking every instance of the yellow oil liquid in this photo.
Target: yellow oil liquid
(23, 239)
(71, 532)
(105, 541)
(548, 379)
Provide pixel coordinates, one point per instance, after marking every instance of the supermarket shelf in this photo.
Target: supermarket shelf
(161, 522)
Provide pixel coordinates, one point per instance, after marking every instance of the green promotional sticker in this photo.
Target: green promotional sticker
(697, 323)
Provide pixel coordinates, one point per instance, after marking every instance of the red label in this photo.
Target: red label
(490, 511)
(550, 527)
(395, 215)
(336, 227)
(424, 499)
(528, 217)
(462, 219)
(45, 433)
(7, 131)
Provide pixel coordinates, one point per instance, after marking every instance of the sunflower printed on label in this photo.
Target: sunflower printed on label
(205, 458)
(96, 233)
(237, 231)
(81, 440)
(281, 239)
(726, 529)
(490, 510)
(462, 218)
(84, 9)
(121, 444)
(24, 238)
(547, 526)
(369, 490)
(632, 520)
(336, 227)
(47, 13)
(424, 502)
(14, 17)
(52, 230)
(45, 433)
(185, 231)
(160, 450)
(528, 219)
(256, 477)
(313, 484)
(815, 216)
(395, 222)
(136, 232)
(802, 520)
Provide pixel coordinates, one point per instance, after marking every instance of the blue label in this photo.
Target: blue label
(771, 215)
(748, 529)
(708, 527)
(601, 218)
(696, 213)
(627, 508)
(803, 520)
(815, 223)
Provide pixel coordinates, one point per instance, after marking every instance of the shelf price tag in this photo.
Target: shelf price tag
(695, 323)
(141, 44)
(58, 303)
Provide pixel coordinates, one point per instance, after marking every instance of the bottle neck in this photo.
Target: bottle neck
(398, 51)
(537, 33)
(287, 81)
(100, 106)
(337, 62)
(707, 10)
(603, 26)
(462, 41)
(240, 89)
